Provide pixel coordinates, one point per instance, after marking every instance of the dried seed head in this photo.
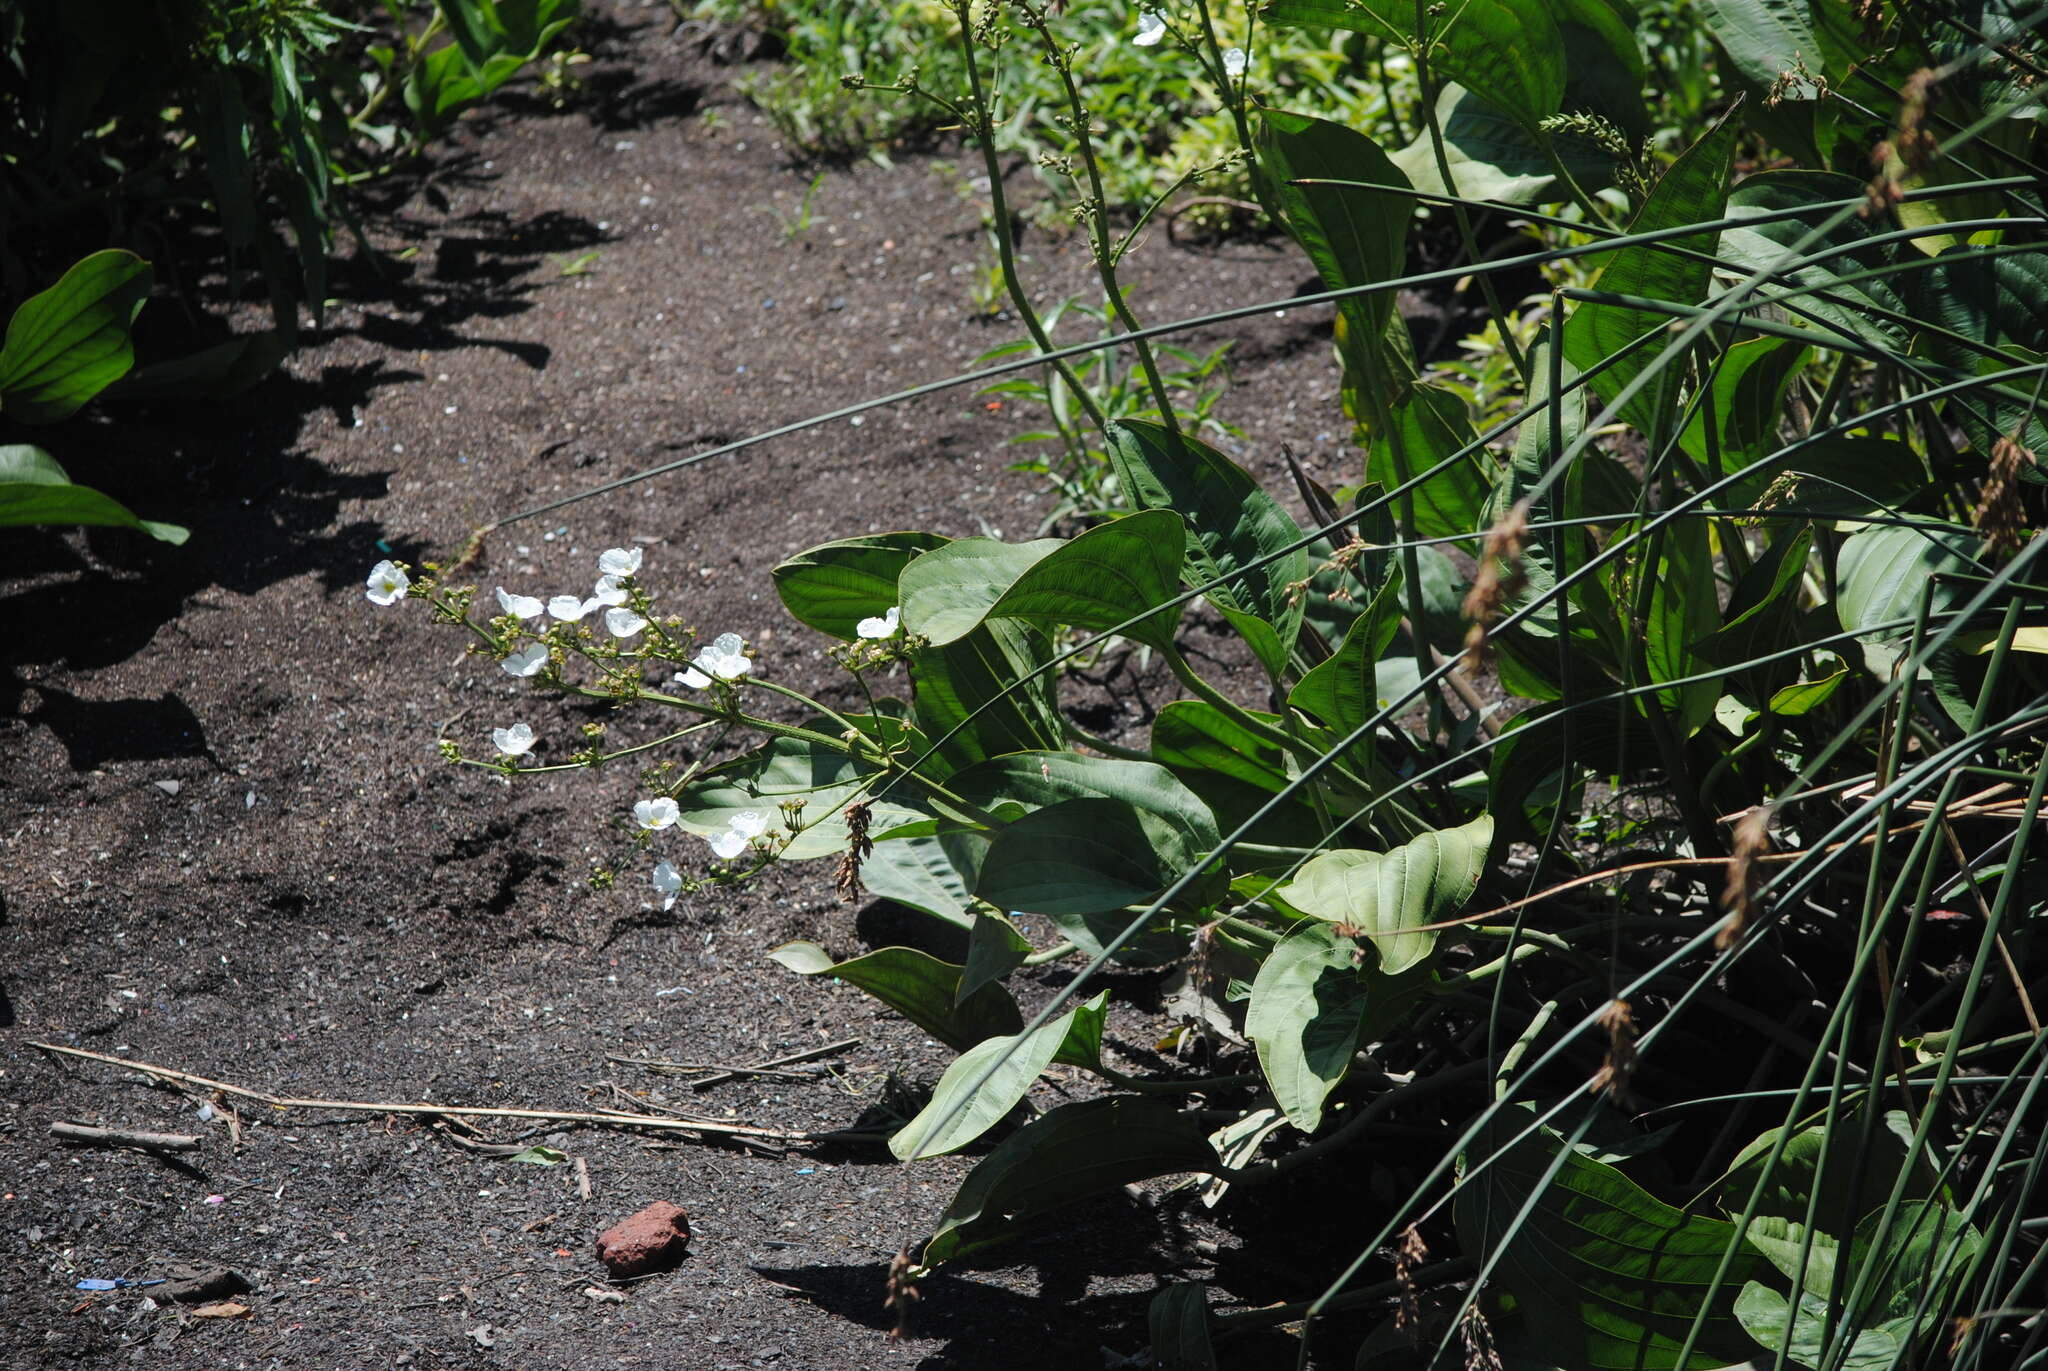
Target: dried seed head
(858, 848)
(1410, 1254)
(2001, 517)
(902, 1294)
(1477, 1335)
(1738, 897)
(1614, 1073)
(1499, 576)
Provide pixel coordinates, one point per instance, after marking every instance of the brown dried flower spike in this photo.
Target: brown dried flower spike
(2001, 518)
(858, 849)
(1752, 840)
(1619, 1021)
(1499, 576)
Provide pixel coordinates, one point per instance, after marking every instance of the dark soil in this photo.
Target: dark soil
(230, 847)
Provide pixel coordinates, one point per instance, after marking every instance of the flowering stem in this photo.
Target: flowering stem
(982, 126)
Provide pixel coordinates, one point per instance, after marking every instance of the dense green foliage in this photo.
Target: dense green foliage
(1619, 838)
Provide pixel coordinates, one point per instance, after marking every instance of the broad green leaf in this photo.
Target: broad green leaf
(1510, 49)
(1611, 1278)
(1747, 402)
(992, 677)
(1179, 1323)
(1843, 249)
(1387, 894)
(994, 949)
(945, 593)
(1684, 608)
(1766, 39)
(1761, 611)
(833, 586)
(918, 986)
(1195, 735)
(35, 491)
(1689, 192)
(1882, 572)
(787, 769)
(964, 1105)
(1231, 524)
(1307, 1008)
(1803, 697)
(70, 342)
(1492, 157)
(917, 873)
(1343, 692)
(1112, 573)
(1828, 1158)
(1074, 1151)
(1433, 426)
(1766, 1313)
(1354, 237)
(1838, 477)
(1083, 856)
(216, 373)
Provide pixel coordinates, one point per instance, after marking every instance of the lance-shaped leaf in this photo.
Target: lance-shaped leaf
(1307, 1008)
(917, 873)
(985, 1082)
(833, 586)
(989, 681)
(1431, 427)
(946, 593)
(1074, 1151)
(1343, 692)
(35, 491)
(1390, 895)
(1882, 573)
(70, 342)
(918, 986)
(825, 778)
(1232, 525)
(1690, 191)
(1611, 1278)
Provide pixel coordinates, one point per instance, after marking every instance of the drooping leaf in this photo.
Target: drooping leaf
(1074, 1151)
(994, 949)
(35, 491)
(1684, 608)
(1191, 735)
(1492, 157)
(1765, 39)
(984, 1084)
(1842, 249)
(70, 342)
(918, 986)
(1232, 523)
(789, 769)
(1689, 192)
(216, 373)
(1433, 427)
(1611, 1278)
(1343, 692)
(1354, 237)
(833, 586)
(1747, 402)
(1179, 1322)
(989, 680)
(1307, 1008)
(1083, 856)
(918, 874)
(1803, 697)
(1825, 1157)
(1386, 895)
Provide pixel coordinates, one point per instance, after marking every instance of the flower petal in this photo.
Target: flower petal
(1233, 61)
(567, 608)
(519, 606)
(623, 623)
(656, 814)
(667, 881)
(728, 845)
(884, 626)
(1151, 28)
(608, 592)
(691, 677)
(387, 583)
(527, 661)
(749, 823)
(515, 741)
(619, 561)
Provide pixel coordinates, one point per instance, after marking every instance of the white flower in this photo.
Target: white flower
(527, 660)
(1233, 61)
(1151, 28)
(519, 606)
(884, 627)
(723, 658)
(609, 592)
(515, 741)
(623, 623)
(668, 883)
(387, 584)
(654, 815)
(619, 561)
(568, 608)
(693, 678)
(728, 845)
(749, 824)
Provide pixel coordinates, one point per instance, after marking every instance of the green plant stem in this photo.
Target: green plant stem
(1050, 954)
(982, 126)
(1194, 1085)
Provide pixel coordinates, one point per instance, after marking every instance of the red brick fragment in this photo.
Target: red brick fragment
(652, 1240)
